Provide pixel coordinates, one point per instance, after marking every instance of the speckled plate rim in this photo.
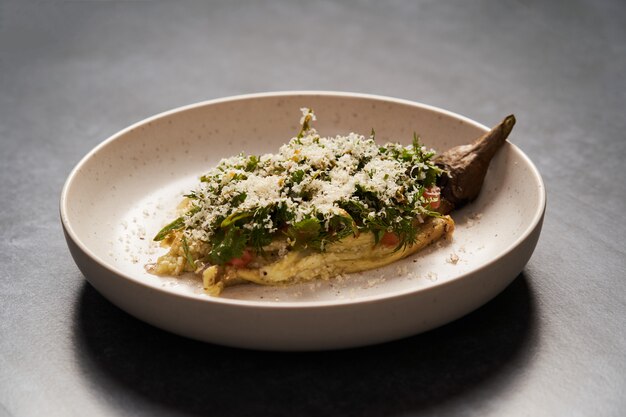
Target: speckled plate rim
(537, 215)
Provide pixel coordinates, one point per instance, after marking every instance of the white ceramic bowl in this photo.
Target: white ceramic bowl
(126, 189)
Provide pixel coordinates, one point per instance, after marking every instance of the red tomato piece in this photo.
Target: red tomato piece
(390, 239)
(242, 261)
(433, 195)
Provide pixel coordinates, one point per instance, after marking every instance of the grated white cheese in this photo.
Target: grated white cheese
(309, 176)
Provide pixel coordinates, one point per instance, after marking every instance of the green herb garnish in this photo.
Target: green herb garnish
(188, 256)
(177, 224)
(314, 192)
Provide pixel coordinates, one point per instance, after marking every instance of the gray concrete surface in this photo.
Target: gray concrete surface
(552, 344)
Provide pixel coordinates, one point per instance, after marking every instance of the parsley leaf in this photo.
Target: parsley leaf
(304, 231)
(227, 245)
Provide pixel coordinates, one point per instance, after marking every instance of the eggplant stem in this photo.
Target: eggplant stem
(466, 166)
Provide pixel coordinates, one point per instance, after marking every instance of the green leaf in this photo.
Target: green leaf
(188, 256)
(177, 224)
(417, 147)
(259, 237)
(306, 124)
(238, 199)
(297, 176)
(343, 226)
(231, 246)
(233, 218)
(304, 230)
(253, 162)
(431, 176)
(378, 235)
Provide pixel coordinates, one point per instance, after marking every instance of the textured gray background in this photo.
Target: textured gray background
(74, 72)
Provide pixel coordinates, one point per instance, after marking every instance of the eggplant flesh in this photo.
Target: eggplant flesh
(465, 166)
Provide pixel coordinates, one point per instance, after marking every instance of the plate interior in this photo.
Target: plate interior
(128, 188)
